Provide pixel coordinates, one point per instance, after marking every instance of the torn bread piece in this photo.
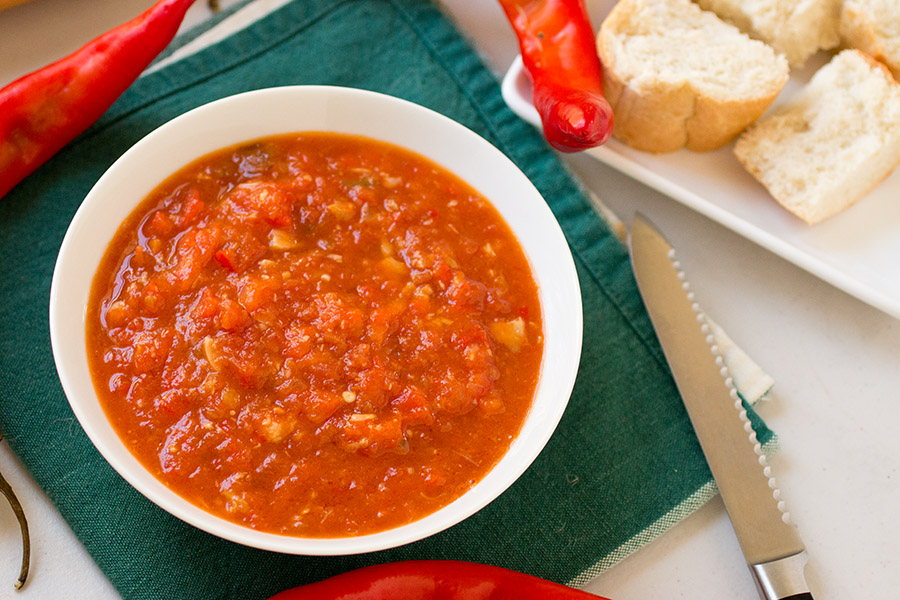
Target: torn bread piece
(796, 28)
(677, 76)
(831, 144)
(873, 26)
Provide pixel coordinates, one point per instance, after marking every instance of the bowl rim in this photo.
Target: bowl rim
(66, 317)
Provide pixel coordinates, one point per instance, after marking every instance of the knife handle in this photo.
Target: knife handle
(782, 579)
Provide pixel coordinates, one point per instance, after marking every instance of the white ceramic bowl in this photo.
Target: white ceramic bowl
(318, 108)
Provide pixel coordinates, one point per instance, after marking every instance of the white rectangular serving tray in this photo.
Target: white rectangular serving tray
(857, 250)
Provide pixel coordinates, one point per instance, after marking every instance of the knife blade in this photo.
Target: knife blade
(769, 540)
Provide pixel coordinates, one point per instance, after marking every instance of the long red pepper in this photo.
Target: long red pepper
(434, 580)
(559, 53)
(43, 111)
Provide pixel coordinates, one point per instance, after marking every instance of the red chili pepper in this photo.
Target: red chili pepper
(559, 53)
(43, 111)
(434, 580)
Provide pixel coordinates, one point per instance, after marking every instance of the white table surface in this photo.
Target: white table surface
(834, 359)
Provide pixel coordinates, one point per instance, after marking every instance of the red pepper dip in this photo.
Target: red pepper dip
(316, 335)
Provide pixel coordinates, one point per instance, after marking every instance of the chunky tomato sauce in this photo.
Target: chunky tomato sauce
(316, 335)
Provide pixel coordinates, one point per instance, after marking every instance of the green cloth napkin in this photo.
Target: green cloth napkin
(623, 465)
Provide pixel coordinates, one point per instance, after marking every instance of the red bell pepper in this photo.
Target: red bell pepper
(43, 111)
(434, 580)
(559, 53)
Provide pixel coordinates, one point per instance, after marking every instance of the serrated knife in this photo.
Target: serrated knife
(770, 542)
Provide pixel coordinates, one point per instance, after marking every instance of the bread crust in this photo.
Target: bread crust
(10, 3)
(663, 117)
(653, 120)
(858, 31)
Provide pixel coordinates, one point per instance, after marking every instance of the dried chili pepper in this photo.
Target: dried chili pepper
(434, 580)
(559, 53)
(43, 111)
(10, 495)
